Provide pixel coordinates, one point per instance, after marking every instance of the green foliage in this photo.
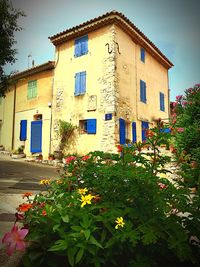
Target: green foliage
(65, 132)
(8, 26)
(114, 210)
(186, 115)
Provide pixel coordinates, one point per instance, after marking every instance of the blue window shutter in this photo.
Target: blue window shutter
(82, 82)
(134, 132)
(23, 130)
(84, 45)
(91, 126)
(145, 96)
(122, 131)
(77, 84)
(162, 102)
(77, 48)
(141, 90)
(145, 125)
(142, 54)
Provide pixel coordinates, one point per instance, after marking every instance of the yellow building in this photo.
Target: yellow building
(26, 117)
(110, 80)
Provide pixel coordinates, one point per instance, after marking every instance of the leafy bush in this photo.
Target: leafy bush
(113, 210)
(186, 122)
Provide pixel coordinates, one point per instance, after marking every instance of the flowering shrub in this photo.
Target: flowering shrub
(113, 210)
(186, 121)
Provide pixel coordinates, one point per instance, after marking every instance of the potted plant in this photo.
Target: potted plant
(51, 157)
(18, 153)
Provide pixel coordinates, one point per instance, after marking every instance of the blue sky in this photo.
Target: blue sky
(172, 25)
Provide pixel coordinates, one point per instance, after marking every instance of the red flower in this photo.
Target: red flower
(178, 97)
(149, 133)
(27, 194)
(19, 216)
(44, 213)
(24, 207)
(180, 130)
(119, 148)
(70, 159)
(85, 158)
(14, 240)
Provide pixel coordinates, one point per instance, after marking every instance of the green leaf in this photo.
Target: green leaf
(56, 227)
(71, 255)
(59, 245)
(93, 241)
(87, 234)
(65, 218)
(76, 228)
(79, 255)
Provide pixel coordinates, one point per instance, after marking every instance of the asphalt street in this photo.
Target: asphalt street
(16, 178)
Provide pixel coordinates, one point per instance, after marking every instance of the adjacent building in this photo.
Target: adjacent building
(108, 79)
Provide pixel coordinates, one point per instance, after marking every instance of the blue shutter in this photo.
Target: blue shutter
(122, 131)
(23, 130)
(134, 133)
(82, 82)
(162, 102)
(145, 125)
(91, 126)
(142, 54)
(36, 136)
(145, 96)
(84, 45)
(77, 84)
(77, 52)
(141, 90)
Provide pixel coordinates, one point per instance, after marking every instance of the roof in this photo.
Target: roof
(113, 17)
(43, 67)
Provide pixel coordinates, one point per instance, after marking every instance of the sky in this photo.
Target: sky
(172, 25)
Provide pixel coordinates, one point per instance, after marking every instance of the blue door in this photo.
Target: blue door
(122, 131)
(134, 133)
(36, 136)
(145, 125)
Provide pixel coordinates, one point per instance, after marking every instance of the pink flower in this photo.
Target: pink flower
(162, 186)
(174, 104)
(178, 97)
(14, 240)
(70, 159)
(85, 158)
(180, 130)
(184, 103)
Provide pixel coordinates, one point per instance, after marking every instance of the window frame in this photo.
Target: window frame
(80, 83)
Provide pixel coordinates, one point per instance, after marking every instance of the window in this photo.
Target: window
(32, 89)
(145, 126)
(23, 130)
(81, 46)
(143, 91)
(88, 126)
(1, 100)
(134, 132)
(122, 131)
(142, 54)
(162, 102)
(80, 83)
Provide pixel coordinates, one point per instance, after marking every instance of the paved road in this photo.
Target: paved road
(17, 177)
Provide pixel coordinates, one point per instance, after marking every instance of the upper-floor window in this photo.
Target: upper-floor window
(32, 89)
(142, 54)
(80, 83)
(81, 46)
(143, 91)
(162, 102)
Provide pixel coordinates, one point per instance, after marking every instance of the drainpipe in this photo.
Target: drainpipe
(13, 127)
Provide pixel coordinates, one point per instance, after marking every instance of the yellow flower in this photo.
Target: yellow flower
(86, 199)
(119, 222)
(82, 191)
(45, 181)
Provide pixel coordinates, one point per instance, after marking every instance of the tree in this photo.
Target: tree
(8, 26)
